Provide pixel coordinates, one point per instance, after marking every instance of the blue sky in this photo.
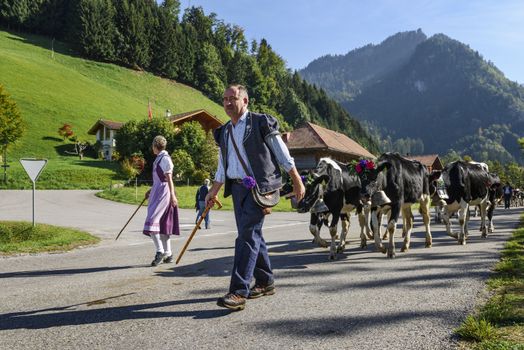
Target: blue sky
(301, 31)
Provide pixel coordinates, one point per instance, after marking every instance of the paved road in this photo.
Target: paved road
(107, 297)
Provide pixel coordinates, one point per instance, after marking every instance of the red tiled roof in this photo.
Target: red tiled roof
(315, 137)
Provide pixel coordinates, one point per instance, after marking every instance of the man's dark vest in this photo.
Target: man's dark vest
(262, 161)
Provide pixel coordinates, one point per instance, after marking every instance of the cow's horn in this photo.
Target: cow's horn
(319, 207)
(379, 198)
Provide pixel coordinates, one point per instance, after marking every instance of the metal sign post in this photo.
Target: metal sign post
(33, 167)
(5, 166)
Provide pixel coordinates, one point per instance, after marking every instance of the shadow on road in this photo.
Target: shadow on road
(46, 318)
(42, 273)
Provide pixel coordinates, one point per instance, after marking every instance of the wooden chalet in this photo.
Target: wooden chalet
(311, 142)
(431, 161)
(206, 119)
(105, 130)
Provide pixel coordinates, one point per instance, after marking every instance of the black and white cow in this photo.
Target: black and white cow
(468, 184)
(341, 195)
(404, 182)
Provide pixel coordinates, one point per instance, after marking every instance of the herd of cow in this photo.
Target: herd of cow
(391, 187)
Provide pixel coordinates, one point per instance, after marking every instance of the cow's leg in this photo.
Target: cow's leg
(367, 212)
(463, 222)
(385, 212)
(344, 220)
(449, 210)
(333, 233)
(407, 219)
(363, 227)
(424, 205)
(483, 208)
(392, 226)
(376, 218)
(314, 227)
(489, 215)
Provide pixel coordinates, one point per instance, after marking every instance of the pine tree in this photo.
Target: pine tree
(97, 31)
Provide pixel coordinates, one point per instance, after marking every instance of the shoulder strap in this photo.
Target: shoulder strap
(230, 134)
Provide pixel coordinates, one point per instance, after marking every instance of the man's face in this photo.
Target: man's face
(234, 103)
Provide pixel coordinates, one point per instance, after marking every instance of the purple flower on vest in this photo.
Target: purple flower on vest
(248, 182)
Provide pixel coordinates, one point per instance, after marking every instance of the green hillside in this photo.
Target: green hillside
(53, 88)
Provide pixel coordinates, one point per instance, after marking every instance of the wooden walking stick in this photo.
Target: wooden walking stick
(119, 233)
(215, 200)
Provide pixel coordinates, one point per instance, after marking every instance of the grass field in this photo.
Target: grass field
(56, 87)
(22, 237)
(499, 324)
(185, 195)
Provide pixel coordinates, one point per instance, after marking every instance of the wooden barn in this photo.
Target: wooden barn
(311, 142)
(431, 161)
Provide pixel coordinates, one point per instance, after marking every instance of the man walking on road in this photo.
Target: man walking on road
(508, 192)
(262, 149)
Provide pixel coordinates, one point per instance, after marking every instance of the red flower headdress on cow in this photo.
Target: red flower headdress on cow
(361, 167)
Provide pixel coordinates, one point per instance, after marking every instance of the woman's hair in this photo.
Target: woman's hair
(207, 182)
(160, 142)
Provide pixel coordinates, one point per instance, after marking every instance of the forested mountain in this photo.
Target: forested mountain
(344, 76)
(199, 50)
(443, 98)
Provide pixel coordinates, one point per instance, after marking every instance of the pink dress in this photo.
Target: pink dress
(162, 217)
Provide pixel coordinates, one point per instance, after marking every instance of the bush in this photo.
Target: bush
(199, 175)
(477, 330)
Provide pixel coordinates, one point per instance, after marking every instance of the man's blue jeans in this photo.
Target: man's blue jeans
(251, 255)
(201, 208)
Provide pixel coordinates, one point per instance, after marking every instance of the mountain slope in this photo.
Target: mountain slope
(445, 94)
(344, 76)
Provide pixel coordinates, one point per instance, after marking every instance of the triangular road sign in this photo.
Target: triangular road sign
(33, 167)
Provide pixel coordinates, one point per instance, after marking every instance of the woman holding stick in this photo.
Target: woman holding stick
(162, 210)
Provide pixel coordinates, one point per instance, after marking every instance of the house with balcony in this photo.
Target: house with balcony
(105, 130)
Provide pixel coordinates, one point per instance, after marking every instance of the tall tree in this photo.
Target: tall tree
(97, 30)
(133, 21)
(164, 61)
(12, 125)
(211, 75)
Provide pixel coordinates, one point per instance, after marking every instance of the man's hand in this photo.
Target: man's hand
(212, 194)
(298, 189)
(146, 195)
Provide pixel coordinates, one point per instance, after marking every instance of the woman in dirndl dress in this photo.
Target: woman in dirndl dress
(162, 210)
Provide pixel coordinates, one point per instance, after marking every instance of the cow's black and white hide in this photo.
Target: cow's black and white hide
(467, 185)
(404, 182)
(495, 195)
(437, 192)
(341, 195)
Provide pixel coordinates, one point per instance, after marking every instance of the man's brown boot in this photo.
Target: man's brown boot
(257, 291)
(232, 301)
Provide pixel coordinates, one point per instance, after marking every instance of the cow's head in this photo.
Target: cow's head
(330, 170)
(433, 179)
(313, 193)
(368, 174)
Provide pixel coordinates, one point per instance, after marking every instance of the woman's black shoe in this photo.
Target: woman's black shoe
(168, 259)
(158, 259)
